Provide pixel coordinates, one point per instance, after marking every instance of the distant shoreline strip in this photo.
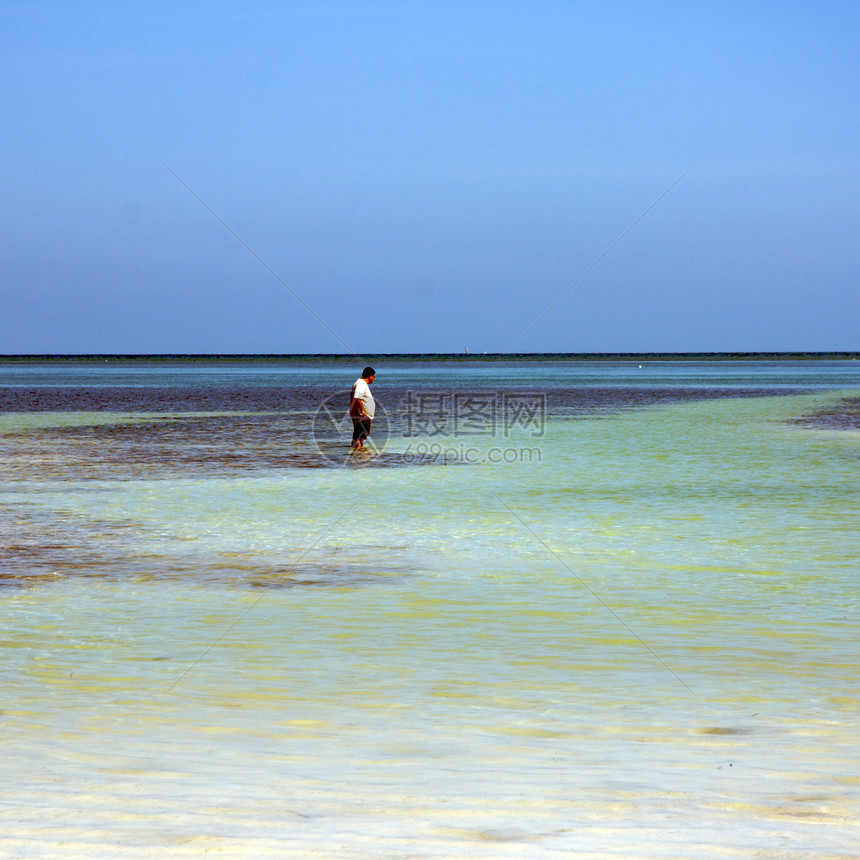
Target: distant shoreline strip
(244, 358)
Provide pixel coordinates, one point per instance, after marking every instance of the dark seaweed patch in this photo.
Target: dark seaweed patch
(39, 547)
(254, 428)
(842, 415)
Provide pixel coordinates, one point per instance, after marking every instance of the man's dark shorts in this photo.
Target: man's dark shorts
(360, 429)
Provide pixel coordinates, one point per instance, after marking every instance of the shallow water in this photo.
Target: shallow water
(626, 628)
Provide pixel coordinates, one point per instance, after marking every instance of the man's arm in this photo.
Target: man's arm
(356, 405)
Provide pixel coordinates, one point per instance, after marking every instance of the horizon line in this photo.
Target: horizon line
(460, 356)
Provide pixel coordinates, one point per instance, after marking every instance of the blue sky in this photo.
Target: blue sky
(429, 176)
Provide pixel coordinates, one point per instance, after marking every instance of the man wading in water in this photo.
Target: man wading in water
(361, 407)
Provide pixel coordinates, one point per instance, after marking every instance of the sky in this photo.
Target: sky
(360, 177)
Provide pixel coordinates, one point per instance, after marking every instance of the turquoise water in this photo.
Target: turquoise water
(628, 632)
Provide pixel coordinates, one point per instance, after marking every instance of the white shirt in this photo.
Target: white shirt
(361, 392)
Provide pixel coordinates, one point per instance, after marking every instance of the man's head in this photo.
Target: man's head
(368, 374)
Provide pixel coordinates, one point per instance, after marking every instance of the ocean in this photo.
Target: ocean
(561, 607)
